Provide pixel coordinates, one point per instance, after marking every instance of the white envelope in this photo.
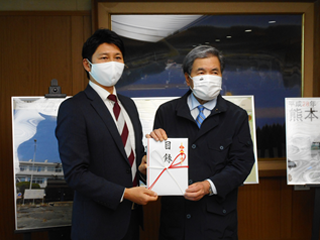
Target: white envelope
(167, 172)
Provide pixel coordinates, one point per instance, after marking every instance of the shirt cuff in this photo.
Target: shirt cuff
(121, 200)
(213, 188)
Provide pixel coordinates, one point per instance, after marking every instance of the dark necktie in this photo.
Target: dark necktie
(124, 133)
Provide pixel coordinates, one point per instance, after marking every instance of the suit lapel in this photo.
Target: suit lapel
(210, 122)
(183, 108)
(214, 118)
(104, 114)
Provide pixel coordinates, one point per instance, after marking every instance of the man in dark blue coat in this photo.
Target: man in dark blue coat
(220, 153)
(100, 143)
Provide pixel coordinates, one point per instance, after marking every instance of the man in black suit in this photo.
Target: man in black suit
(220, 153)
(100, 144)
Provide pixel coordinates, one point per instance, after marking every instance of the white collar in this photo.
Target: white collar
(104, 94)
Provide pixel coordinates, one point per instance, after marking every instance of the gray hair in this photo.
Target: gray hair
(202, 51)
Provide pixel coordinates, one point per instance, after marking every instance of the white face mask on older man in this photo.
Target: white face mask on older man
(206, 87)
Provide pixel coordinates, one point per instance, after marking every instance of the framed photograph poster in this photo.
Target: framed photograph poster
(303, 140)
(47, 201)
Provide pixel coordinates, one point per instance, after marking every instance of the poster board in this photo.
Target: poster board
(147, 108)
(36, 158)
(303, 140)
(47, 203)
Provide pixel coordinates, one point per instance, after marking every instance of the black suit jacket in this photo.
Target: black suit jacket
(220, 150)
(95, 164)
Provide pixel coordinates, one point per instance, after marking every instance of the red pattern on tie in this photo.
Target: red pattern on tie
(125, 132)
(116, 107)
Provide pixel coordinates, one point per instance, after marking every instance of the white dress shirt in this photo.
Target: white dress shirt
(104, 96)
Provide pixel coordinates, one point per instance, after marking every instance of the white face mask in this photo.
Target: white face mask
(107, 73)
(206, 87)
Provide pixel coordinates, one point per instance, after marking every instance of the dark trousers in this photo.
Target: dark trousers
(133, 230)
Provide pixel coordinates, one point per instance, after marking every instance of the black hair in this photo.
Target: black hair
(100, 36)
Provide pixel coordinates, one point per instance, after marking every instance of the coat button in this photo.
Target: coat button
(193, 146)
(190, 181)
(188, 216)
(221, 147)
(224, 211)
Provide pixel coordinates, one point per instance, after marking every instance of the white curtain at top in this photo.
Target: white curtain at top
(149, 28)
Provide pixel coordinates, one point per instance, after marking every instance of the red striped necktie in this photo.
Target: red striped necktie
(124, 132)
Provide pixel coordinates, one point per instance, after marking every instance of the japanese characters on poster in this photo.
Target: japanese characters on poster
(168, 166)
(303, 140)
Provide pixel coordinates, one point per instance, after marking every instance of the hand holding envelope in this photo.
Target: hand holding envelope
(167, 171)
